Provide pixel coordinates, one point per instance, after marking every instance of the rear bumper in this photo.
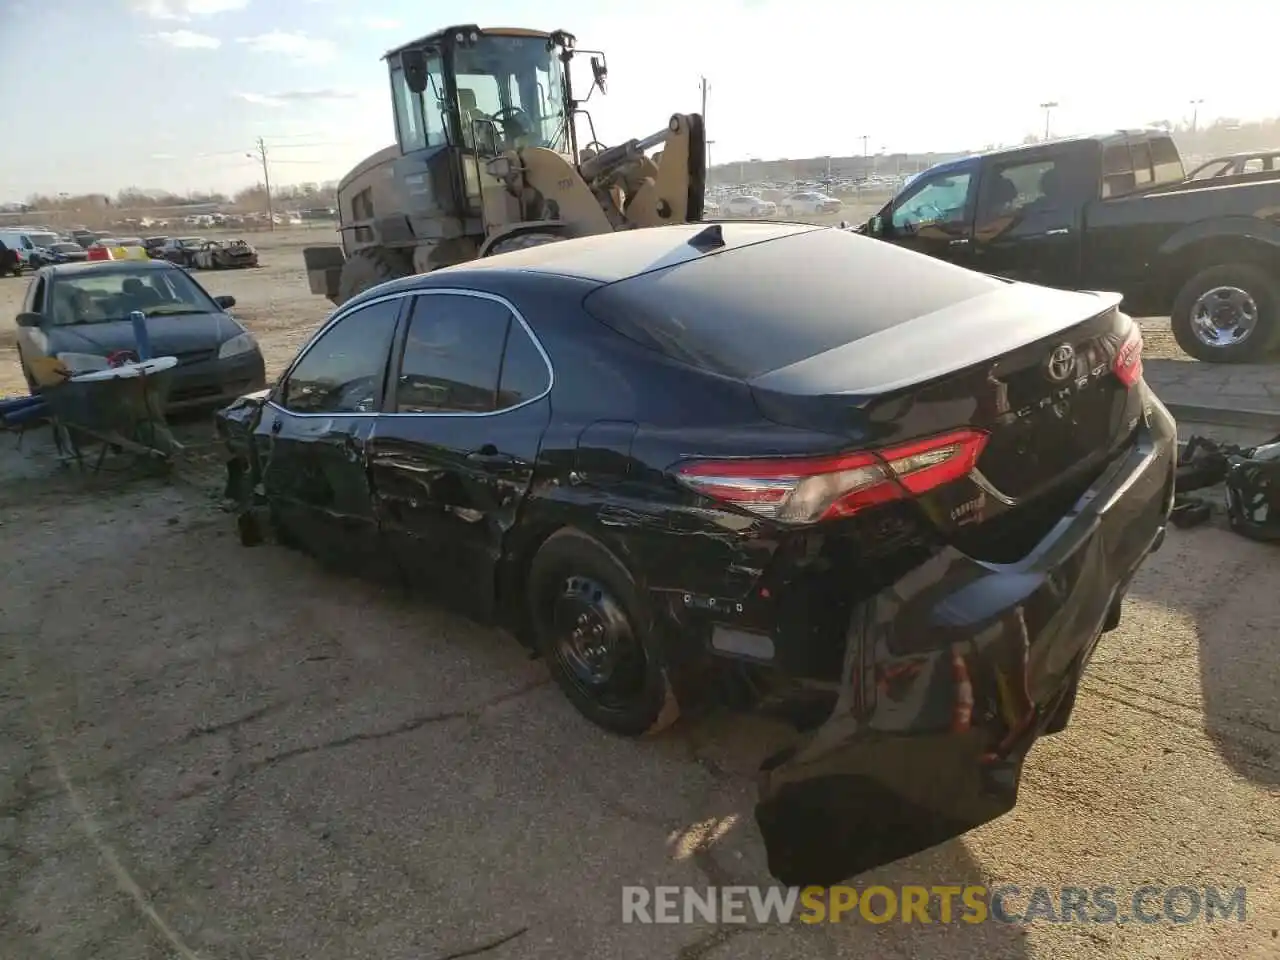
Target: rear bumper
(927, 742)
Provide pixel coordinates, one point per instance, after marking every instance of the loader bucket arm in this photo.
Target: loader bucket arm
(676, 192)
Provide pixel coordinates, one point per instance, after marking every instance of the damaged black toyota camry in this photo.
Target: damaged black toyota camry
(895, 500)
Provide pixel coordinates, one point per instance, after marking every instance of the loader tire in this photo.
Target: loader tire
(522, 241)
(368, 268)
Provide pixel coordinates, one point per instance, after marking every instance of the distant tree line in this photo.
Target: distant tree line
(138, 199)
(1221, 136)
(1218, 137)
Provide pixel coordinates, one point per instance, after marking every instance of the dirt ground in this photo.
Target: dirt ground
(214, 752)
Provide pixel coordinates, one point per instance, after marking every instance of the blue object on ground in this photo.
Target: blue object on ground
(139, 321)
(28, 414)
(10, 405)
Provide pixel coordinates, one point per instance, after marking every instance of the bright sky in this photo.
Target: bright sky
(170, 94)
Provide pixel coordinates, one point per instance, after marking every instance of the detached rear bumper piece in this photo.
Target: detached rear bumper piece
(952, 674)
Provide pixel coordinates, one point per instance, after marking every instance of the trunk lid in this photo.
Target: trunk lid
(1031, 367)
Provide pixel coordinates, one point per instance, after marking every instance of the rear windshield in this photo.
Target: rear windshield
(751, 310)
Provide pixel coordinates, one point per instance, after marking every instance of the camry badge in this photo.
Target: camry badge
(1062, 363)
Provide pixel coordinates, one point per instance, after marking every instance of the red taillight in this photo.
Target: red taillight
(1128, 362)
(804, 490)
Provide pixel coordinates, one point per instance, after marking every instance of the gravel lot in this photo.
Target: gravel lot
(214, 752)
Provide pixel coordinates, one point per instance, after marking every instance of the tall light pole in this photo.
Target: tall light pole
(261, 154)
(1195, 113)
(702, 82)
(1047, 107)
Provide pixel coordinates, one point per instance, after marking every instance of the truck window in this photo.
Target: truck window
(1141, 152)
(938, 199)
(1117, 171)
(1166, 162)
(1014, 188)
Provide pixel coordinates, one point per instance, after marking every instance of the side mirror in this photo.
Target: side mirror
(29, 319)
(599, 72)
(414, 65)
(875, 226)
(225, 303)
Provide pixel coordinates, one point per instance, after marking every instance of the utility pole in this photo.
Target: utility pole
(864, 138)
(702, 82)
(1047, 107)
(260, 153)
(1195, 113)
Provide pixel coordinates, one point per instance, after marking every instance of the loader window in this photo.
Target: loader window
(408, 108)
(517, 73)
(419, 117)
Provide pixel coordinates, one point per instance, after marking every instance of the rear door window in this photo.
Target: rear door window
(452, 356)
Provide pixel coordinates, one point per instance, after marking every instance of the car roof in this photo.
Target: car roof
(610, 257)
(105, 266)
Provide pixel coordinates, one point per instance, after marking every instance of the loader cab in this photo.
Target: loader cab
(463, 96)
(482, 90)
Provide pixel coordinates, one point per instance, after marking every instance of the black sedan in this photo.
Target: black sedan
(83, 308)
(896, 500)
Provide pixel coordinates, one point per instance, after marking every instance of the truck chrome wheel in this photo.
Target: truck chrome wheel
(1223, 316)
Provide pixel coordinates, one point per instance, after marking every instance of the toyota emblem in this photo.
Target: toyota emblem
(1062, 363)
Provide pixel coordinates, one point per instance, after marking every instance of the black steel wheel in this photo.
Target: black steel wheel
(593, 632)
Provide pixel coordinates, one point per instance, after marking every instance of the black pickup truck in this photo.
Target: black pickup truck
(1112, 212)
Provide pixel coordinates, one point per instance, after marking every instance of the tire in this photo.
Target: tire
(1259, 290)
(575, 583)
(368, 268)
(522, 241)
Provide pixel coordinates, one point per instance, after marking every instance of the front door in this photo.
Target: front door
(934, 215)
(1027, 227)
(452, 462)
(313, 440)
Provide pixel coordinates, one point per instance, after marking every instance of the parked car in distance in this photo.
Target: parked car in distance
(154, 246)
(181, 250)
(745, 206)
(810, 204)
(28, 243)
(219, 255)
(116, 248)
(84, 309)
(1111, 212)
(778, 453)
(1238, 165)
(60, 251)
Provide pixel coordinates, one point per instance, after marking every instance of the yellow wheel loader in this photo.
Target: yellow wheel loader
(487, 160)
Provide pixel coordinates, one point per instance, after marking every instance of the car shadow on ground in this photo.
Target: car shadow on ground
(291, 762)
(1228, 586)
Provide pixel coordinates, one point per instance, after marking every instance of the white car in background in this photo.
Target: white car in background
(809, 203)
(745, 206)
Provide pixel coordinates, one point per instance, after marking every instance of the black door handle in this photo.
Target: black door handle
(276, 424)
